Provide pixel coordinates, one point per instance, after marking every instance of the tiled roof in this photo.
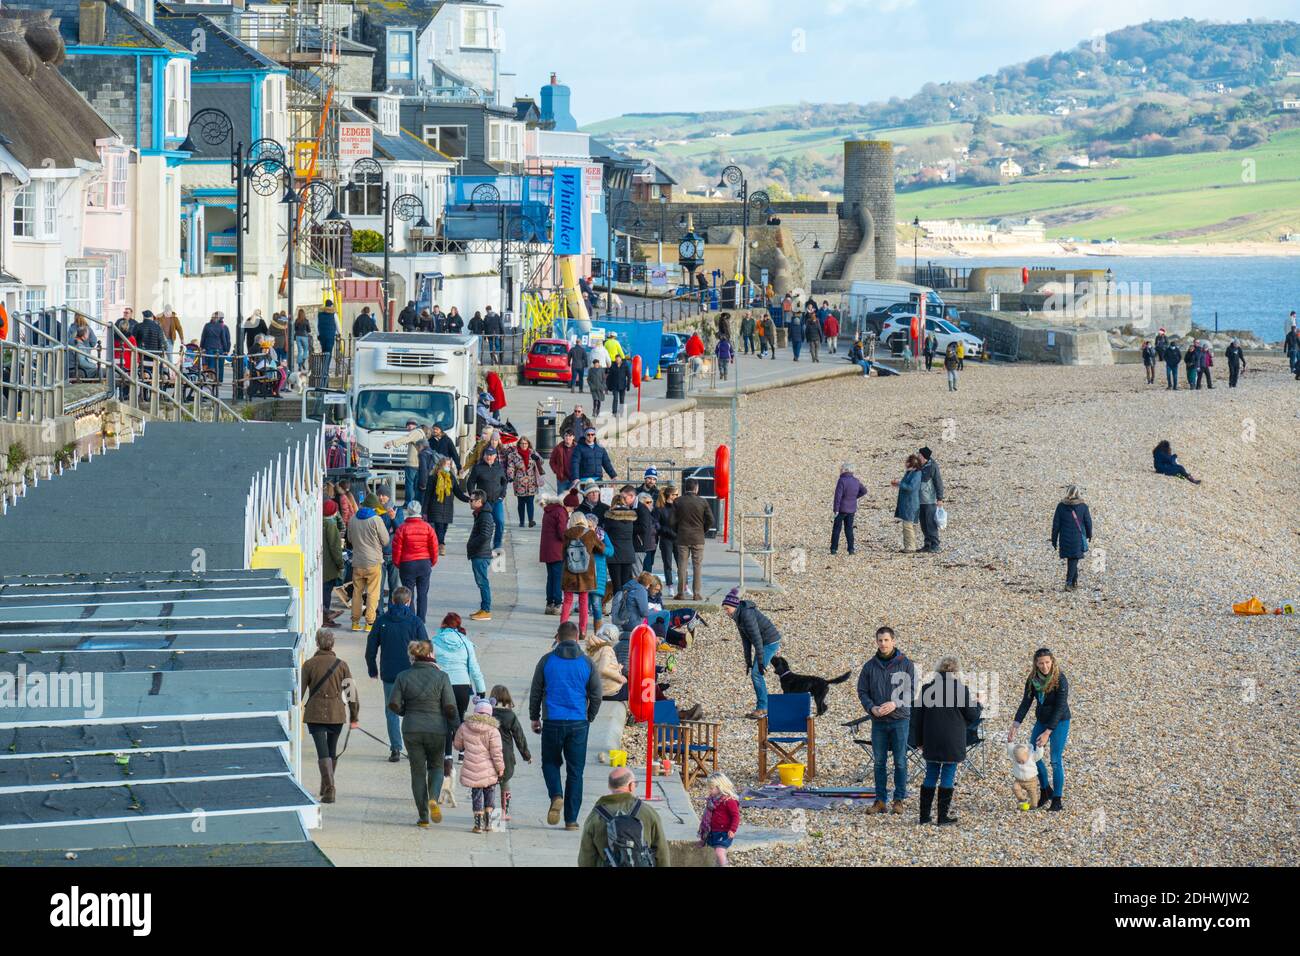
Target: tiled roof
(222, 50)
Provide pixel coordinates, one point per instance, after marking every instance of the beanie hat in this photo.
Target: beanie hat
(651, 472)
(331, 508)
(483, 707)
(732, 599)
(413, 509)
(571, 499)
(371, 502)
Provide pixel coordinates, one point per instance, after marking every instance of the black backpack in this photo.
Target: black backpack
(577, 559)
(625, 839)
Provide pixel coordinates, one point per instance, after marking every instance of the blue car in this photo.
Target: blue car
(671, 349)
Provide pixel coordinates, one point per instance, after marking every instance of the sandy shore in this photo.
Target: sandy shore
(1066, 250)
(1183, 742)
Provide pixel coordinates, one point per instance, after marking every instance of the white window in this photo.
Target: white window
(476, 29)
(25, 212)
(50, 209)
(32, 298)
(452, 141)
(117, 181)
(114, 275)
(177, 91)
(369, 199)
(389, 116)
(505, 142)
(399, 54)
(85, 290)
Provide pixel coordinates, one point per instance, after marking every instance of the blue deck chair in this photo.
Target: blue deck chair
(787, 729)
(691, 743)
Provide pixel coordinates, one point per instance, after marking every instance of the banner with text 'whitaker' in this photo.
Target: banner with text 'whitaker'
(568, 211)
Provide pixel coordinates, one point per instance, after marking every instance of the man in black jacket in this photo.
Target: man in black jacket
(214, 343)
(479, 550)
(149, 338)
(591, 503)
(489, 477)
(494, 329)
(1173, 357)
(579, 359)
(408, 318)
(1236, 362)
(761, 642)
(364, 324)
(442, 444)
(886, 687)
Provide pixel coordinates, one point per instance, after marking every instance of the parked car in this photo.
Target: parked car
(877, 318)
(671, 348)
(548, 361)
(897, 330)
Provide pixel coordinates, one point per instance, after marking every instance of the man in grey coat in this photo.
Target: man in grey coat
(931, 500)
(886, 687)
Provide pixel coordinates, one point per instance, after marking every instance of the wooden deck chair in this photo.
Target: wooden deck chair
(691, 743)
(787, 729)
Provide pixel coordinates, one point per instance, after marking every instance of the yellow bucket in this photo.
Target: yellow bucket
(618, 758)
(791, 774)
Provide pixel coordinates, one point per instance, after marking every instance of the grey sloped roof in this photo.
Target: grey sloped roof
(158, 735)
(178, 488)
(222, 50)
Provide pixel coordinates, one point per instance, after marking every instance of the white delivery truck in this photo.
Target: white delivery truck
(875, 296)
(399, 377)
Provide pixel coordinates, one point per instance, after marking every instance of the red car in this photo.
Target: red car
(548, 361)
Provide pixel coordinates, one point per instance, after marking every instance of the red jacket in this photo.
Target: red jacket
(694, 345)
(415, 541)
(832, 327)
(555, 521)
(560, 458)
(723, 818)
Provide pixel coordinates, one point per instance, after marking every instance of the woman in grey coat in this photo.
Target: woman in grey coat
(422, 696)
(596, 383)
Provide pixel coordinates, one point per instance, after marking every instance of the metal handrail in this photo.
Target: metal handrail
(33, 373)
(157, 396)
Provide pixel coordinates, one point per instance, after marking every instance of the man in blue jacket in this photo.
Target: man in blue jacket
(214, 343)
(327, 331)
(562, 703)
(886, 687)
(389, 636)
(590, 459)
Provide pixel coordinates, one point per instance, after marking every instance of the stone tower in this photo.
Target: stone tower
(868, 210)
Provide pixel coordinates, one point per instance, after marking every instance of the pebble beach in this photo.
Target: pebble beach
(1183, 741)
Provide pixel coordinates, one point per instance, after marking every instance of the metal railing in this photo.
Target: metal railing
(146, 380)
(507, 349)
(766, 554)
(33, 379)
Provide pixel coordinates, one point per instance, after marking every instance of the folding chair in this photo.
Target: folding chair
(790, 716)
(915, 761)
(689, 742)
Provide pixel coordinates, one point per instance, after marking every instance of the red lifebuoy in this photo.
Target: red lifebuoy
(722, 472)
(641, 673)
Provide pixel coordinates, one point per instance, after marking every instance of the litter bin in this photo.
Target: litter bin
(676, 380)
(708, 491)
(546, 425)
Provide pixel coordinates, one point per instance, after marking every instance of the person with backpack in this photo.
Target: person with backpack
(621, 830)
(563, 700)
(1071, 532)
(387, 656)
(579, 575)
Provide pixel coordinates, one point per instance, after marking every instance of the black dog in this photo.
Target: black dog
(792, 683)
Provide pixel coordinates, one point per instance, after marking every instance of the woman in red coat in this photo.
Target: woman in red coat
(555, 522)
(415, 552)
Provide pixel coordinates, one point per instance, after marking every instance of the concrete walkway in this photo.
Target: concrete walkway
(373, 822)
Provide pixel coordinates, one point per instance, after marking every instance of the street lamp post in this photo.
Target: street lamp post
(370, 166)
(916, 239)
(264, 173)
(614, 215)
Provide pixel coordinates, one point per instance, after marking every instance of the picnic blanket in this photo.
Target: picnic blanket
(776, 797)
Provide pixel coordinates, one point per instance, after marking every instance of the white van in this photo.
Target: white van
(867, 296)
(412, 376)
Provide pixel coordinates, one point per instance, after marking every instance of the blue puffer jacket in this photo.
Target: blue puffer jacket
(455, 655)
(589, 461)
(392, 632)
(565, 686)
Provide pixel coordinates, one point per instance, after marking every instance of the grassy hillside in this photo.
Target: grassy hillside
(1201, 197)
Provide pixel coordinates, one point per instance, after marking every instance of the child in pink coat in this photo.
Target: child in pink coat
(479, 738)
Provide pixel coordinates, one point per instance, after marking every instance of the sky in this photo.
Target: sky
(633, 56)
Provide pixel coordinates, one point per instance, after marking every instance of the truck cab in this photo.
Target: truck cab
(423, 377)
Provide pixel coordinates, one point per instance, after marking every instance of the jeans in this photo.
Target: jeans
(554, 577)
(525, 503)
(796, 345)
(440, 529)
(667, 552)
(498, 516)
(866, 368)
(216, 362)
(890, 736)
(565, 741)
(415, 575)
(944, 774)
(575, 383)
(326, 359)
(412, 478)
(748, 341)
(648, 560)
(425, 751)
(1171, 376)
(480, 566)
(845, 521)
(930, 527)
(952, 380)
(756, 674)
(1059, 736)
(301, 352)
(1233, 372)
(393, 720)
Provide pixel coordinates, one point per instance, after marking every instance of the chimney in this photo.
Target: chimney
(554, 79)
(91, 23)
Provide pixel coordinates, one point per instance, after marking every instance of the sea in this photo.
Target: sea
(1253, 293)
